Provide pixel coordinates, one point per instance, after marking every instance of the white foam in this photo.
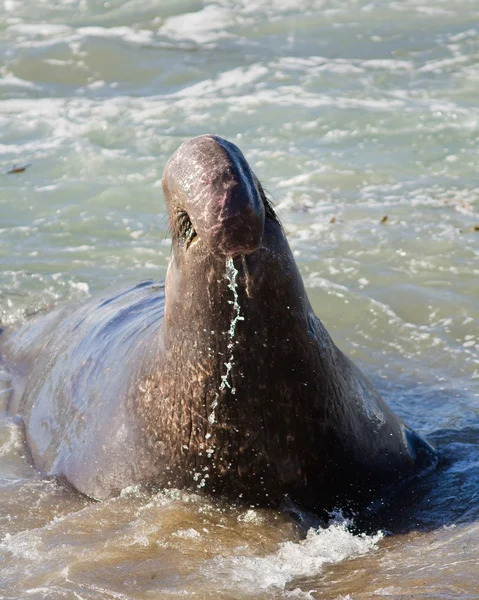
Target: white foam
(315, 280)
(15, 435)
(34, 35)
(389, 64)
(438, 65)
(307, 558)
(84, 248)
(434, 11)
(127, 34)
(40, 29)
(23, 545)
(190, 534)
(11, 80)
(206, 25)
(229, 80)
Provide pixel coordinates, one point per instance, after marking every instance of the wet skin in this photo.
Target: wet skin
(151, 386)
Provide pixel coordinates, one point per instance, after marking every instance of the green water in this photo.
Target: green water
(349, 112)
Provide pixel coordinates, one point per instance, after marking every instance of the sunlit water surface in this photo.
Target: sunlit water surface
(361, 119)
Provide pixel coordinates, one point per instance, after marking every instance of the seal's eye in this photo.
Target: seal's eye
(186, 230)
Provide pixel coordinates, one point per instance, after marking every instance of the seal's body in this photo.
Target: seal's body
(226, 380)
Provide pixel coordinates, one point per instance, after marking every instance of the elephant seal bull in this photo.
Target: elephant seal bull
(223, 380)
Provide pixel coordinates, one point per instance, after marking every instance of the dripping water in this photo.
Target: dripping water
(231, 274)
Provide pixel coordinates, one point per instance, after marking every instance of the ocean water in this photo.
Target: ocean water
(361, 120)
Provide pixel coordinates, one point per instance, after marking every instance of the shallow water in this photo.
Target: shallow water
(349, 112)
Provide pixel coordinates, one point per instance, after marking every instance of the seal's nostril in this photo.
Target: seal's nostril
(240, 235)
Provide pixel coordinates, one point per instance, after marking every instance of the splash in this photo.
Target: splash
(250, 575)
(230, 274)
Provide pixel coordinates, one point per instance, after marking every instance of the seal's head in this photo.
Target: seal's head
(214, 200)
(218, 211)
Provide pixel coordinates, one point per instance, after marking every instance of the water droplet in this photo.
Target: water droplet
(230, 274)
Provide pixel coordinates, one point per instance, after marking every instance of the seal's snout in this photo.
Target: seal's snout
(209, 179)
(237, 227)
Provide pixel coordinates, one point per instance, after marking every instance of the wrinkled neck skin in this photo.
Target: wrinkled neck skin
(204, 303)
(246, 381)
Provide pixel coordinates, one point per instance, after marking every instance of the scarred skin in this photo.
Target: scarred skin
(191, 386)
